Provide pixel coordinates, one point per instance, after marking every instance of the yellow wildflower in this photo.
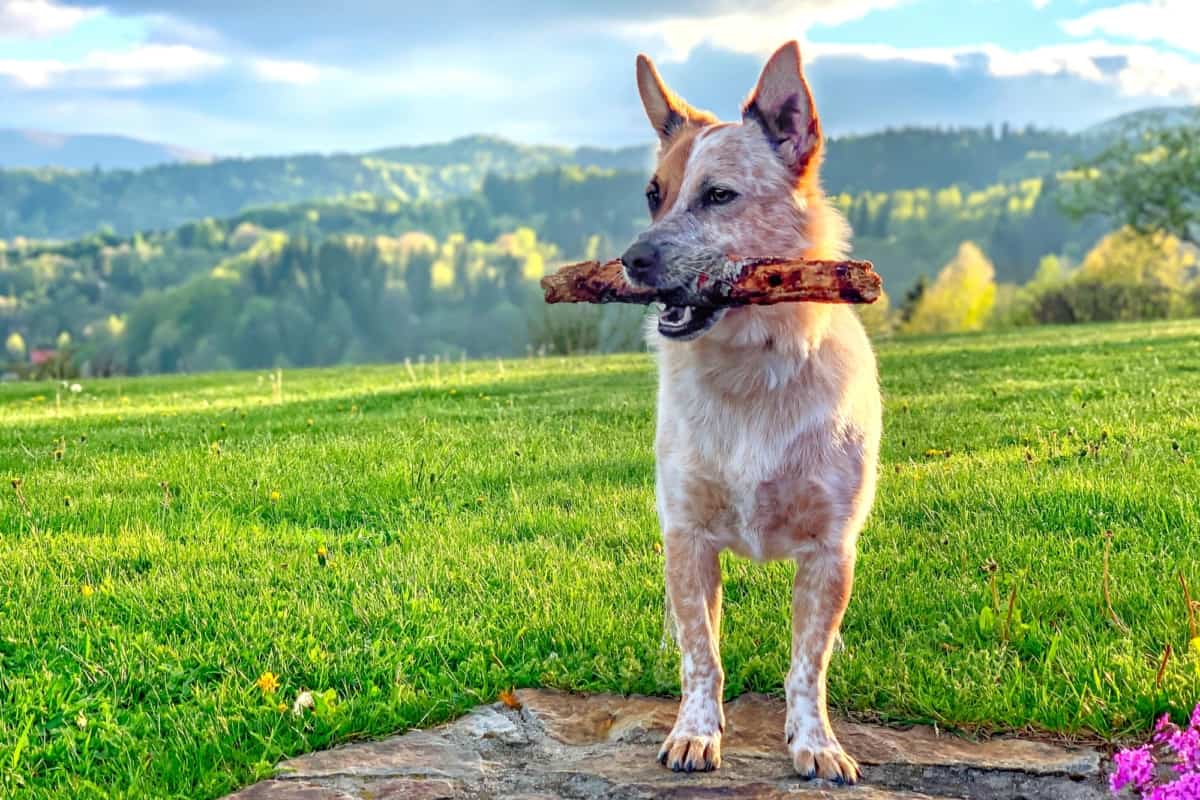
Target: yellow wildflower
(87, 590)
(268, 682)
(276, 497)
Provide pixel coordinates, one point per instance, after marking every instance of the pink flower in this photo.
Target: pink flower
(1186, 788)
(1186, 745)
(1132, 767)
(1136, 768)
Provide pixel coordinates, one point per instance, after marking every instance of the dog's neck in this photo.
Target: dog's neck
(765, 348)
(752, 349)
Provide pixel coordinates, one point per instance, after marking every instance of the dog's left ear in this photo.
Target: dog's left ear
(782, 104)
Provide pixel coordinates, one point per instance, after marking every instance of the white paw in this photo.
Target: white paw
(823, 758)
(691, 752)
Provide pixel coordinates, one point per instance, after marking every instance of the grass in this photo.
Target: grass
(412, 544)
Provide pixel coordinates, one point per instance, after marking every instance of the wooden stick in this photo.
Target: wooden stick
(759, 281)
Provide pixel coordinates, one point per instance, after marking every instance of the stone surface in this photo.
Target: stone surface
(560, 745)
(489, 723)
(420, 753)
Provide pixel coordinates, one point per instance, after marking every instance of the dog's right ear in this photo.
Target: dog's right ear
(666, 110)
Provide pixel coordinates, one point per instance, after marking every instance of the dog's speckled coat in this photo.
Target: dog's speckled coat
(768, 417)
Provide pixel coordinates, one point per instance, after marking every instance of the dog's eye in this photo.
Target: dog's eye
(717, 196)
(653, 199)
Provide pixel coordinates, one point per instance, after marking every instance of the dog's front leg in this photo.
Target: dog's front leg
(819, 598)
(694, 592)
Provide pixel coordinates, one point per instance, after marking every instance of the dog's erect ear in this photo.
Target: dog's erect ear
(666, 110)
(783, 105)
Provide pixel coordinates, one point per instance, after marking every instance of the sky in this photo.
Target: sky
(237, 77)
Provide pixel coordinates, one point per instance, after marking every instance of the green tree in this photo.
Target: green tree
(1131, 276)
(418, 279)
(1148, 180)
(962, 297)
(14, 345)
(913, 296)
(1130, 257)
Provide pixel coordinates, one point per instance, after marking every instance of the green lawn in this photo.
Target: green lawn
(492, 527)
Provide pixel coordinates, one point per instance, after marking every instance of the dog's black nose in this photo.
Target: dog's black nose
(641, 261)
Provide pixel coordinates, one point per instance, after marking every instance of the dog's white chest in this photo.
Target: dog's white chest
(739, 473)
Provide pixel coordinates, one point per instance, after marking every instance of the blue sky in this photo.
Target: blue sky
(239, 77)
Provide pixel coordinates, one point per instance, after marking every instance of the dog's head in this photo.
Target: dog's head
(724, 189)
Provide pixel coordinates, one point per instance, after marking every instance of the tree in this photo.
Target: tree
(418, 279)
(1130, 257)
(962, 297)
(1148, 180)
(1130, 276)
(460, 259)
(913, 296)
(882, 217)
(14, 345)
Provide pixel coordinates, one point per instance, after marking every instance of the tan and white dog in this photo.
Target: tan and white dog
(768, 417)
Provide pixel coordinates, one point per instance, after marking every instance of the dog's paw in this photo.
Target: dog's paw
(824, 760)
(684, 752)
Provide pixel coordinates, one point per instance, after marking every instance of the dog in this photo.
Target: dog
(768, 417)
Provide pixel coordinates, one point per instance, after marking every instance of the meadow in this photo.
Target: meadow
(181, 557)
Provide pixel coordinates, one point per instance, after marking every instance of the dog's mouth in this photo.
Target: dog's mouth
(686, 322)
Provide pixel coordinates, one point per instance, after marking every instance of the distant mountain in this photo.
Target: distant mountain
(493, 154)
(51, 203)
(55, 204)
(1170, 116)
(85, 151)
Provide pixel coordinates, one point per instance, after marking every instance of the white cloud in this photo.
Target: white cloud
(39, 18)
(296, 73)
(1173, 22)
(1134, 70)
(142, 66)
(758, 32)
(1040, 4)
(167, 29)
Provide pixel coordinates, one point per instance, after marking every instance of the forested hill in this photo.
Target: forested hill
(970, 158)
(61, 204)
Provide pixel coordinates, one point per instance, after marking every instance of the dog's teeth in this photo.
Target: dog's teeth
(661, 306)
(687, 315)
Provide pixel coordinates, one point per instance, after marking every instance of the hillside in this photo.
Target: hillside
(376, 278)
(32, 149)
(58, 204)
